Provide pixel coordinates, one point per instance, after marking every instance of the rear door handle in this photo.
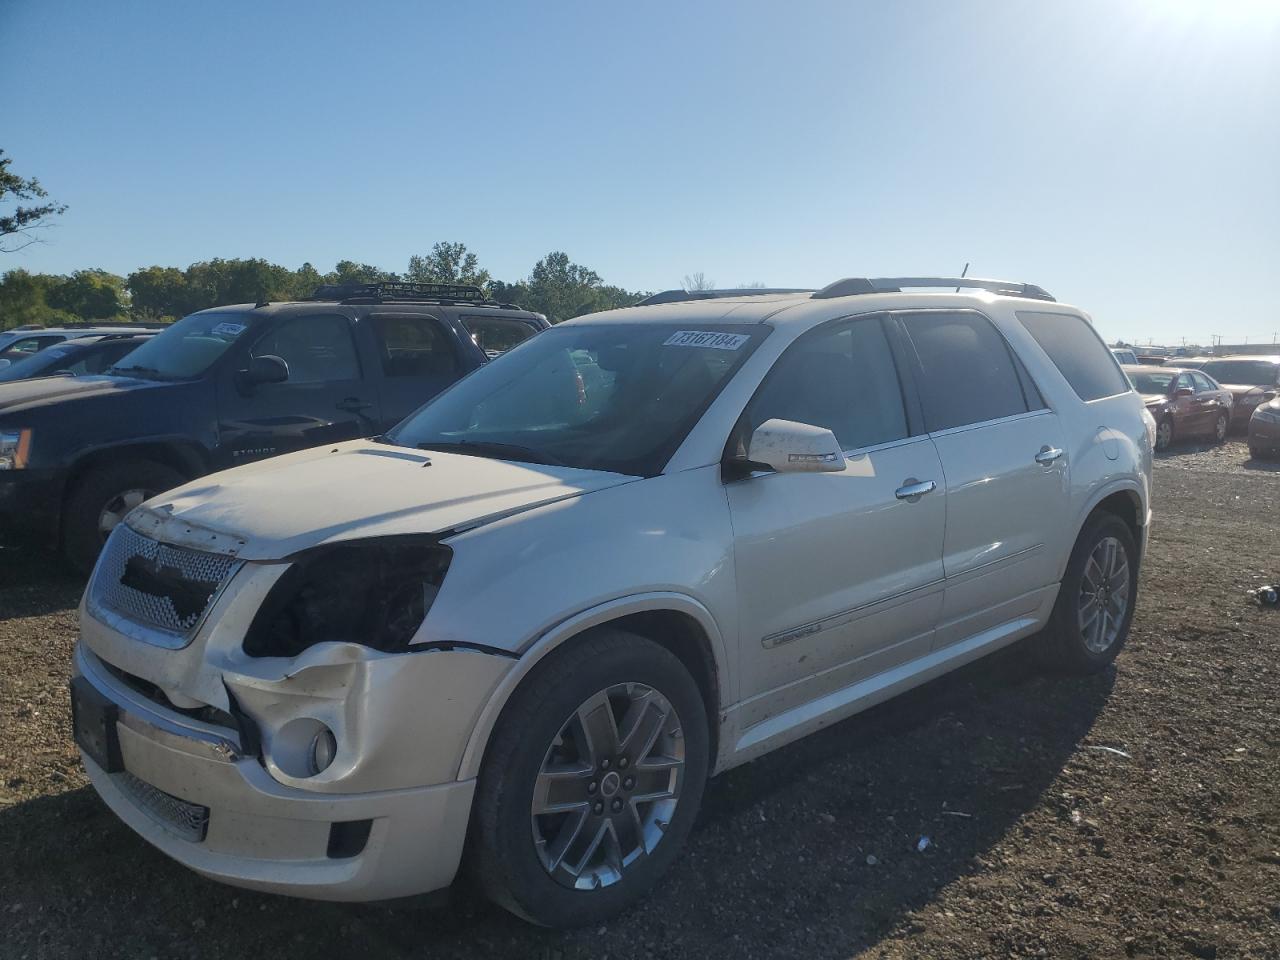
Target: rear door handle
(914, 489)
(1049, 454)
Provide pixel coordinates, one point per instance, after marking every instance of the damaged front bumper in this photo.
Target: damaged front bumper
(208, 753)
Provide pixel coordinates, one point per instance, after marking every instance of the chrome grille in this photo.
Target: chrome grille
(190, 821)
(192, 572)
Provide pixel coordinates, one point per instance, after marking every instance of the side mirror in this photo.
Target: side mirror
(1183, 392)
(790, 447)
(265, 369)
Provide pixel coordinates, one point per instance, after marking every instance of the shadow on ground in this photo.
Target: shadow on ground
(811, 851)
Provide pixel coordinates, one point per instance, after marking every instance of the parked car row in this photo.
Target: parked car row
(227, 386)
(525, 624)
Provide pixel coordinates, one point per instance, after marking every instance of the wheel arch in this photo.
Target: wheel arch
(675, 621)
(181, 456)
(1122, 499)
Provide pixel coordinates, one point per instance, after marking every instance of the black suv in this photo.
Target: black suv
(233, 384)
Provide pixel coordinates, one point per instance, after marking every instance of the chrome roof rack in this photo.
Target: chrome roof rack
(851, 286)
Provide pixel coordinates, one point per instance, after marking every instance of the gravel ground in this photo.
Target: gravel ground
(1133, 813)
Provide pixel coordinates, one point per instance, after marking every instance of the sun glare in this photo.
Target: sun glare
(1215, 10)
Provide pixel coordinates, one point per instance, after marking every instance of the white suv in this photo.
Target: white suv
(641, 548)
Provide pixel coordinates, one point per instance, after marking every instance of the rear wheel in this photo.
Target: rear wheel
(1164, 434)
(1091, 618)
(100, 501)
(592, 781)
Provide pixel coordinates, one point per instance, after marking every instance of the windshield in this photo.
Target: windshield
(1157, 381)
(36, 364)
(618, 397)
(187, 349)
(1254, 373)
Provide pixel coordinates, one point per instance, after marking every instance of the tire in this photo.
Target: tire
(537, 728)
(1164, 434)
(84, 514)
(1067, 645)
(1221, 427)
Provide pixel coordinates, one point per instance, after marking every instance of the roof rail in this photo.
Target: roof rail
(399, 290)
(678, 296)
(851, 286)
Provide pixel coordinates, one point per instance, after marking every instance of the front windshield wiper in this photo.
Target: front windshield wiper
(487, 448)
(147, 373)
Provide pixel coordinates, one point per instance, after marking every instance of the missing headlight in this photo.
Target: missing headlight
(372, 592)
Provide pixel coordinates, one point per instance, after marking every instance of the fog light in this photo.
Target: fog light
(323, 749)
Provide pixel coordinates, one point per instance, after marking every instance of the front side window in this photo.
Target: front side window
(413, 347)
(966, 370)
(842, 378)
(1248, 373)
(497, 335)
(616, 396)
(316, 349)
(188, 348)
(1078, 352)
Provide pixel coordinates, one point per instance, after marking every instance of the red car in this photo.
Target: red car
(1185, 403)
(1252, 381)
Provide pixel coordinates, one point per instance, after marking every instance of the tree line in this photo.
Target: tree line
(556, 286)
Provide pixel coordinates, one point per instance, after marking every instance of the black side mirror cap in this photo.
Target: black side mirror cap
(265, 369)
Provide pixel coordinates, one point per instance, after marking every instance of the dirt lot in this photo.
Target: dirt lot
(1041, 844)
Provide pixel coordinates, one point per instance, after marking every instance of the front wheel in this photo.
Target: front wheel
(1091, 618)
(592, 781)
(1164, 434)
(100, 500)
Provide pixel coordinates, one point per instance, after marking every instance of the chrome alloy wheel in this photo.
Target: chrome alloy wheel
(118, 506)
(608, 786)
(1220, 428)
(1164, 435)
(1104, 595)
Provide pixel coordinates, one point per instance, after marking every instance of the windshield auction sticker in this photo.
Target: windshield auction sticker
(705, 338)
(229, 330)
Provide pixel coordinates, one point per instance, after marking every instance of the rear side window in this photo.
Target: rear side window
(842, 378)
(1078, 353)
(413, 347)
(496, 335)
(967, 372)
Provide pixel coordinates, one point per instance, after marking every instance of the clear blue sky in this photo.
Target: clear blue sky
(1124, 154)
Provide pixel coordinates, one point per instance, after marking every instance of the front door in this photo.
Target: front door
(839, 575)
(1005, 458)
(325, 399)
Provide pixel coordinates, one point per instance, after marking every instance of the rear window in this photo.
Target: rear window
(1078, 353)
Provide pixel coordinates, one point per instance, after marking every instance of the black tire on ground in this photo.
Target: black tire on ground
(1221, 427)
(1164, 439)
(1063, 645)
(82, 513)
(501, 855)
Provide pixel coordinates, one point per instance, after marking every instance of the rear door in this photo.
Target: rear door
(325, 399)
(417, 357)
(1004, 457)
(839, 575)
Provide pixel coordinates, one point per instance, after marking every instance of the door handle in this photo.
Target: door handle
(354, 405)
(914, 489)
(1049, 454)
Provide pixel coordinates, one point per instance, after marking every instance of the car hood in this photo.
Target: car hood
(272, 509)
(20, 395)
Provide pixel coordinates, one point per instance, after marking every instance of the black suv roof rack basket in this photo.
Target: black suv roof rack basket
(851, 286)
(388, 290)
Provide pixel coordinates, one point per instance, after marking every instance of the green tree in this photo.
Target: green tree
(23, 299)
(18, 226)
(158, 292)
(89, 295)
(348, 271)
(448, 263)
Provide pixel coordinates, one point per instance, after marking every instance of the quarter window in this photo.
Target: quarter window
(1078, 352)
(497, 335)
(842, 378)
(967, 372)
(316, 349)
(413, 347)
